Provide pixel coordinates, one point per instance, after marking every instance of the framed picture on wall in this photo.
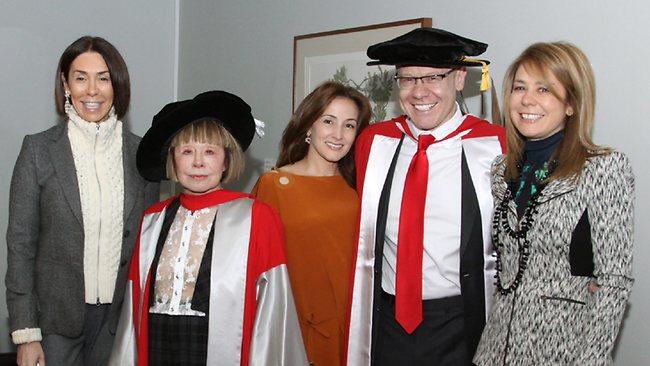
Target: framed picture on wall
(340, 55)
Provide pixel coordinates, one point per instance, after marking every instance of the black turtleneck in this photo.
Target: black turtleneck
(538, 152)
(535, 168)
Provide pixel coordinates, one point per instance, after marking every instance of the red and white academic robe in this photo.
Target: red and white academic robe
(252, 316)
(376, 154)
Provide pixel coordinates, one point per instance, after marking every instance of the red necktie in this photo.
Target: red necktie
(408, 286)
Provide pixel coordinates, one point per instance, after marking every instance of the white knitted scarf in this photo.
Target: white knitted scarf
(97, 152)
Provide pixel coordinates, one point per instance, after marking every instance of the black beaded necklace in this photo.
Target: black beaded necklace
(500, 220)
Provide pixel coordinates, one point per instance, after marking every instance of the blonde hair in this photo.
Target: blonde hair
(209, 131)
(571, 67)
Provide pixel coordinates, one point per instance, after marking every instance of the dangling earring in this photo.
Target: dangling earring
(67, 106)
(308, 138)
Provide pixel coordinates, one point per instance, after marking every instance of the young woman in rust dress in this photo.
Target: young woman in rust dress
(312, 190)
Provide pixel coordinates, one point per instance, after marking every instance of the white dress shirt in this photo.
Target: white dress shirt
(442, 213)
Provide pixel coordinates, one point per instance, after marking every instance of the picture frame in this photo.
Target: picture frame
(340, 55)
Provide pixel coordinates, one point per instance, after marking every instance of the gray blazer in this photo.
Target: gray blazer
(45, 236)
(551, 318)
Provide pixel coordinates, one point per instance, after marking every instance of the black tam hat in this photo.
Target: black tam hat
(228, 109)
(427, 47)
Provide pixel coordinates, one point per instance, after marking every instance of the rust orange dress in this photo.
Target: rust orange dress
(319, 216)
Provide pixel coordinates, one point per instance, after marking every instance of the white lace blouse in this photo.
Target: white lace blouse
(180, 260)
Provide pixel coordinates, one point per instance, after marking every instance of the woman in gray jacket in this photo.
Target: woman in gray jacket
(562, 226)
(75, 203)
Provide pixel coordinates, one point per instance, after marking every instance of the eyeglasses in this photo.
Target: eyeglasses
(407, 82)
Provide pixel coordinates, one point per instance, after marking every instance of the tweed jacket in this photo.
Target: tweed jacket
(45, 236)
(551, 318)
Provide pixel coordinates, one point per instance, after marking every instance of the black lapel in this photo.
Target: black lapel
(63, 162)
(471, 260)
(469, 210)
(201, 297)
(380, 234)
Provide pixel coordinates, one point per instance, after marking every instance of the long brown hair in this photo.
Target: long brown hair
(293, 147)
(570, 66)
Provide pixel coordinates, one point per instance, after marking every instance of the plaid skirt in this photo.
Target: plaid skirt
(178, 340)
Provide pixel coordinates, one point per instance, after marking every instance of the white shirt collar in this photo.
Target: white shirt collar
(442, 130)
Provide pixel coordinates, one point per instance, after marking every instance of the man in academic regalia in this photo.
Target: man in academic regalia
(423, 274)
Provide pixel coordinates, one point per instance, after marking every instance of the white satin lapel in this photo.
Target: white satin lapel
(276, 336)
(360, 336)
(124, 346)
(232, 229)
(150, 232)
(480, 153)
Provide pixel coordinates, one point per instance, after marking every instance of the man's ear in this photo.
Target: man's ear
(459, 78)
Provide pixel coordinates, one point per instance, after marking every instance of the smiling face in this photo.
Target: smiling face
(199, 166)
(537, 105)
(90, 87)
(429, 105)
(333, 133)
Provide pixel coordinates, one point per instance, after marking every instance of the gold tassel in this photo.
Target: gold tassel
(485, 77)
(485, 73)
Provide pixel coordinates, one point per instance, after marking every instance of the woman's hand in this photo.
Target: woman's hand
(30, 354)
(593, 287)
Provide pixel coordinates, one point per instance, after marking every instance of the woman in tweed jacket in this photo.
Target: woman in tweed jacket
(75, 204)
(562, 226)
